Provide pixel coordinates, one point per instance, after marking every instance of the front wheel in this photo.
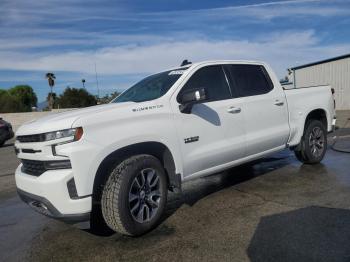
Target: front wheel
(134, 197)
(313, 144)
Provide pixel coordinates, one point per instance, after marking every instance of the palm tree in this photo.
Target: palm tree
(51, 79)
(83, 81)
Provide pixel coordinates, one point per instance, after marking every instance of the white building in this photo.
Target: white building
(334, 71)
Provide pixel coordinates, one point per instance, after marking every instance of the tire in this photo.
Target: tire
(136, 185)
(313, 144)
(98, 225)
(2, 143)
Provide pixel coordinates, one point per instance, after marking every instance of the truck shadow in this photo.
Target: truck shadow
(307, 234)
(205, 112)
(195, 190)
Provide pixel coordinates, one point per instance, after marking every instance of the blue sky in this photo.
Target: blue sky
(130, 39)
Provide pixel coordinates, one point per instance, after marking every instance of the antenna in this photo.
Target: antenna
(185, 62)
(98, 89)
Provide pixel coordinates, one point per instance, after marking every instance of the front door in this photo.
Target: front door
(213, 133)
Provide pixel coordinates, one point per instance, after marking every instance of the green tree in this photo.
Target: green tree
(8, 104)
(108, 98)
(76, 97)
(114, 95)
(17, 99)
(25, 95)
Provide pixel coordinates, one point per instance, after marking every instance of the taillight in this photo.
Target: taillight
(333, 92)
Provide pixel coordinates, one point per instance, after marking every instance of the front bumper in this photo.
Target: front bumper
(49, 195)
(45, 207)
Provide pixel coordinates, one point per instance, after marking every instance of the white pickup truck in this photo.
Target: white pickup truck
(114, 164)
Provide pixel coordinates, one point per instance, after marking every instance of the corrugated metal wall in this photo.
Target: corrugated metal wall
(335, 73)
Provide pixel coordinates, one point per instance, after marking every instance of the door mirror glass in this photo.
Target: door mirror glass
(191, 97)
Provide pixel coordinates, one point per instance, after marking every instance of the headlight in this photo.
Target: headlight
(74, 133)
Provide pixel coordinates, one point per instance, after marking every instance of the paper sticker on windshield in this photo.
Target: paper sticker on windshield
(177, 72)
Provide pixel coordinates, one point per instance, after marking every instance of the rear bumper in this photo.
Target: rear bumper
(45, 207)
(6, 135)
(334, 121)
(11, 134)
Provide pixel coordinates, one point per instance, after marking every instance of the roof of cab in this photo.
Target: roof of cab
(221, 61)
(213, 62)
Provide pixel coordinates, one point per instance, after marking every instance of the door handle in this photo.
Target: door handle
(234, 110)
(278, 103)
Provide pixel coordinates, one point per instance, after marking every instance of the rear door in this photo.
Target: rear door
(206, 135)
(265, 108)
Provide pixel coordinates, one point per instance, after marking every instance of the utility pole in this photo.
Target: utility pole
(98, 89)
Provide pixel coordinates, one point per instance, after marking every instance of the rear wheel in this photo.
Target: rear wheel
(313, 144)
(134, 197)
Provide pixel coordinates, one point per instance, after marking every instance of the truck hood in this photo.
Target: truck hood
(65, 120)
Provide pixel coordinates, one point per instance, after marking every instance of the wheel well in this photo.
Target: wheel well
(155, 149)
(317, 114)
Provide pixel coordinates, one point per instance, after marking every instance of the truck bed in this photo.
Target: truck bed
(303, 100)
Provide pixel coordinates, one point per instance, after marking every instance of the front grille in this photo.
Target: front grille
(30, 138)
(36, 168)
(33, 167)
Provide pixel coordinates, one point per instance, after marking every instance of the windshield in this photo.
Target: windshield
(151, 87)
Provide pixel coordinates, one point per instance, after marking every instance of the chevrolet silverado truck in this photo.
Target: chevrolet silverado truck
(113, 164)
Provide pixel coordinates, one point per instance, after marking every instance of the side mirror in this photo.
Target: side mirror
(191, 97)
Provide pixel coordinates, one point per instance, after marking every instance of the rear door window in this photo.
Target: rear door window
(250, 80)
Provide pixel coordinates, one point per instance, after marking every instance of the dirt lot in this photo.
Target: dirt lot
(272, 210)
